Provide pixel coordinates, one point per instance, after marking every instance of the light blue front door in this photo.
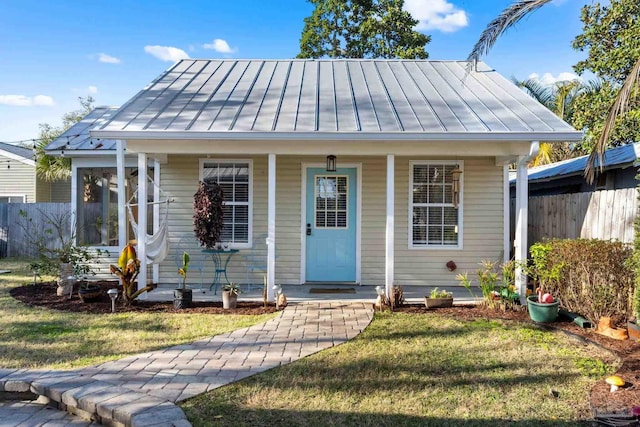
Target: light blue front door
(331, 225)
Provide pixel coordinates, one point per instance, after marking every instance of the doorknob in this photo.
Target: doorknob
(308, 229)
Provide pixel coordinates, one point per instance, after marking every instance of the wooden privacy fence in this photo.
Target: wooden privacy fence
(15, 238)
(605, 215)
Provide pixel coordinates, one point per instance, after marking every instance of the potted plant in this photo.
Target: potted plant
(438, 299)
(542, 307)
(89, 292)
(230, 293)
(183, 297)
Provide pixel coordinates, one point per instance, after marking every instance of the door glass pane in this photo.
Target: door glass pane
(331, 206)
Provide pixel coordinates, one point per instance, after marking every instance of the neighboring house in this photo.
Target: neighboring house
(567, 176)
(422, 151)
(18, 180)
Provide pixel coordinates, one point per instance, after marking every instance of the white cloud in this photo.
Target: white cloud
(26, 101)
(549, 79)
(92, 90)
(166, 53)
(108, 59)
(437, 15)
(219, 45)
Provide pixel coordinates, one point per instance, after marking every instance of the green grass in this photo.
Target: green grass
(418, 370)
(40, 338)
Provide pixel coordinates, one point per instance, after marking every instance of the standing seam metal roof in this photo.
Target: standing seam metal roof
(332, 96)
(77, 137)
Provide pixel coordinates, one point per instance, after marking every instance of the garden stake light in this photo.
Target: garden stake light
(113, 294)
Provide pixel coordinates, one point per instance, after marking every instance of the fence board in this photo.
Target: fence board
(18, 244)
(606, 215)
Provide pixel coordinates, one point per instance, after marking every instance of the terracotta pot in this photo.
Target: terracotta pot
(634, 330)
(229, 300)
(438, 302)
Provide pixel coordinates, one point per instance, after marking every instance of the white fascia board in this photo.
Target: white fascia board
(344, 136)
(17, 158)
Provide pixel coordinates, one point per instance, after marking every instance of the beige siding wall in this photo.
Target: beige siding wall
(482, 227)
(43, 191)
(482, 204)
(17, 180)
(61, 191)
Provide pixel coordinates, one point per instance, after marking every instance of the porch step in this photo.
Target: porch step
(106, 403)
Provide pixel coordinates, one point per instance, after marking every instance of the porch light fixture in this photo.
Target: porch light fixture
(331, 163)
(455, 187)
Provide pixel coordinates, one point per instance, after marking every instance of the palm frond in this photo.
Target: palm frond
(619, 107)
(541, 93)
(507, 18)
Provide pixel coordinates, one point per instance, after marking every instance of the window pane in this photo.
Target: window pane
(241, 233)
(435, 235)
(435, 216)
(226, 172)
(436, 194)
(419, 193)
(435, 221)
(227, 192)
(241, 193)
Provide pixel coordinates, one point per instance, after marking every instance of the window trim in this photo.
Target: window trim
(10, 195)
(249, 244)
(413, 246)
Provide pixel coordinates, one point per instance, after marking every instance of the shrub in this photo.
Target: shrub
(208, 215)
(591, 277)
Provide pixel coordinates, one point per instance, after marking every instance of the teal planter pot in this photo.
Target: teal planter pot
(543, 313)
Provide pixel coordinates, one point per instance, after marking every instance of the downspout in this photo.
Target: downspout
(522, 208)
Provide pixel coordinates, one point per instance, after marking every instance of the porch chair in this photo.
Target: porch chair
(255, 259)
(197, 259)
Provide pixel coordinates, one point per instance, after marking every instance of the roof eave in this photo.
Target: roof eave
(340, 136)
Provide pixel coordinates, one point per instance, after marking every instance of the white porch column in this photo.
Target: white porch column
(156, 212)
(389, 236)
(142, 219)
(522, 212)
(506, 203)
(271, 228)
(122, 194)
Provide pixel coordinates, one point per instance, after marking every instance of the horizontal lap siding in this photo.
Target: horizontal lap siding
(18, 180)
(482, 220)
(482, 227)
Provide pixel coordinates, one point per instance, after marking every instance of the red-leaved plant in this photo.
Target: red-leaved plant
(208, 218)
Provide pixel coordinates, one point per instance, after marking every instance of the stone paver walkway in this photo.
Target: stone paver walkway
(30, 414)
(141, 390)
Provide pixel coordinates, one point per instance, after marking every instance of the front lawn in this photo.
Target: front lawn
(32, 337)
(417, 370)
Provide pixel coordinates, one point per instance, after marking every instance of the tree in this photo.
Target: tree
(52, 168)
(611, 36)
(361, 29)
(561, 98)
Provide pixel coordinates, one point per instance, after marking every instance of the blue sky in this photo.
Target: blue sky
(52, 52)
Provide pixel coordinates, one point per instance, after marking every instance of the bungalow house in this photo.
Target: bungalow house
(341, 171)
(619, 170)
(18, 180)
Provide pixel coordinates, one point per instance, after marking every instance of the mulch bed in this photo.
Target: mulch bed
(44, 295)
(602, 400)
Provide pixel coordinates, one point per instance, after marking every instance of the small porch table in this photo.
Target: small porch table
(220, 258)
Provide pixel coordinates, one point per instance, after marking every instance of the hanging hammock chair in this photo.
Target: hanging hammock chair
(157, 244)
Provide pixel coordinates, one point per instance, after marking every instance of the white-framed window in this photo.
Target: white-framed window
(235, 178)
(13, 198)
(434, 221)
